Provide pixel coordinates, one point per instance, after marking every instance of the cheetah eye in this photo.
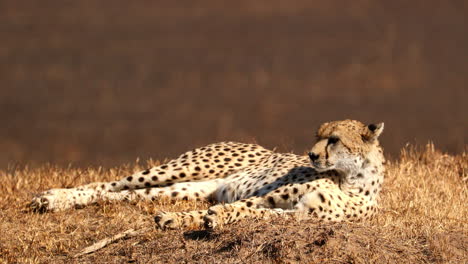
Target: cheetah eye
(333, 140)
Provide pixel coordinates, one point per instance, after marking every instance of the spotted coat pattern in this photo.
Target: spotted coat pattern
(339, 180)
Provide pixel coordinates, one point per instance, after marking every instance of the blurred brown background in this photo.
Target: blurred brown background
(105, 82)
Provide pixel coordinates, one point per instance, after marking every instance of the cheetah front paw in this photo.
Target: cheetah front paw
(214, 216)
(210, 221)
(166, 220)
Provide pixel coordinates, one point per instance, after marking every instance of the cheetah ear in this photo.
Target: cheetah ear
(372, 132)
(321, 130)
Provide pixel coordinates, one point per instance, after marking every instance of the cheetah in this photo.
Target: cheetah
(339, 180)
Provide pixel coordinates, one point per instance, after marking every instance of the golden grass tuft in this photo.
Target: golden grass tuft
(423, 219)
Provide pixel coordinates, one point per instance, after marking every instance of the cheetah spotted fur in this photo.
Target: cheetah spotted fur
(338, 180)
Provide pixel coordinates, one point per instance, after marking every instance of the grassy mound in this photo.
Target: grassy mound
(423, 219)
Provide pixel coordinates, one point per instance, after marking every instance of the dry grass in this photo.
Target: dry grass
(424, 219)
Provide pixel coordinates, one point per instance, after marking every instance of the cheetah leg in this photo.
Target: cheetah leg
(61, 199)
(285, 201)
(173, 220)
(213, 217)
(203, 190)
(254, 207)
(214, 161)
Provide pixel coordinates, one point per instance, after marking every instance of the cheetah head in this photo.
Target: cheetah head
(344, 145)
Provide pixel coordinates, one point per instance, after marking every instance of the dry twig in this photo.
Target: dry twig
(104, 242)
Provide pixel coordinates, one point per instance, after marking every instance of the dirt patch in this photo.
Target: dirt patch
(282, 241)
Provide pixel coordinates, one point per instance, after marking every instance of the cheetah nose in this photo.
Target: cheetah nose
(313, 156)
